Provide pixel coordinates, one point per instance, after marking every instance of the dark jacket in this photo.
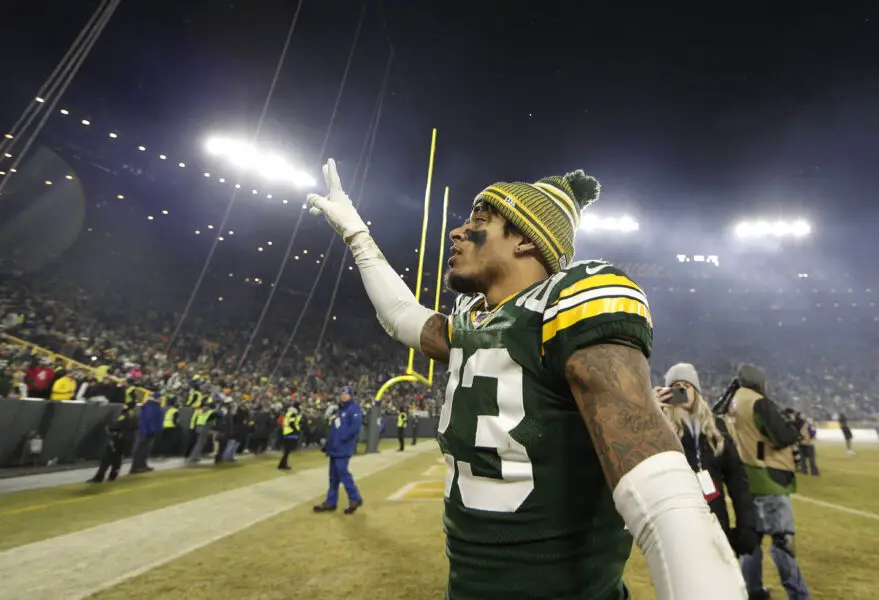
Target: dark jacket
(344, 431)
(726, 469)
(151, 418)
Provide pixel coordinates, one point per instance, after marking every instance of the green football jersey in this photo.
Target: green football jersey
(528, 513)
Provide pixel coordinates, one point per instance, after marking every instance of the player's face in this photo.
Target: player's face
(344, 396)
(480, 251)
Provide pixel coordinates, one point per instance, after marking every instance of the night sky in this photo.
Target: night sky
(690, 116)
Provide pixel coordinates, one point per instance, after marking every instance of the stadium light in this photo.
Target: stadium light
(623, 224)
(267, 165)
(778, 229)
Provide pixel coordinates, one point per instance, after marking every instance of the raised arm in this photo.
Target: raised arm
(434, 338)
(654, 488)
(395, 305)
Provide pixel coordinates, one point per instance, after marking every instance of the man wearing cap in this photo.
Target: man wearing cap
(340, 447)
(555, 447)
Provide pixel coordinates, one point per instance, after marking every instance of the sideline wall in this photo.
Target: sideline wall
(858, 435)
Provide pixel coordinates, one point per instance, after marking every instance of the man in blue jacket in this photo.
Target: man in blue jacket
(340, 447)
(149, 426)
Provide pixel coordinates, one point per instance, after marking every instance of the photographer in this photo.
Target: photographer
(764, 439)
(808, 460)
(711, 454)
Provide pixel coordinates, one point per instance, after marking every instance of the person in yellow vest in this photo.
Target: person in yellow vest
(764, 439)
(402, 419)
(192, 433)
(170, 441)
(290, 429)
(64, 386)
(195, 399)
(130, 395)
(204, 430)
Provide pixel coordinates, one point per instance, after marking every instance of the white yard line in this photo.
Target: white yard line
(845, 509)
(401, 493)
(79, 564)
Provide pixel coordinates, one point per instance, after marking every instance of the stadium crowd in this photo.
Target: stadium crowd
(816, 373)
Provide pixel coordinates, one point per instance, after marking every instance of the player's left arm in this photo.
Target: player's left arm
(611, 384)
(597, 330)
(654, 488)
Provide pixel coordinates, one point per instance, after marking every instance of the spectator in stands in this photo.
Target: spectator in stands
(149, 427)
(764, 439)
(39, 378)
(63, 386)
(712, 455)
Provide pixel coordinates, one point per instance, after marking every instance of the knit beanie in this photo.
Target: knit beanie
(546, 212)
(683, 372)
(752, 377)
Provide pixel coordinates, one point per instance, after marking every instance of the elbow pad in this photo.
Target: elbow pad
(686, 550)
(396, 308)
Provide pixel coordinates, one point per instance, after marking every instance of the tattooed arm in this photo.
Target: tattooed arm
(654, 488)
(434, 338)
(611, 384)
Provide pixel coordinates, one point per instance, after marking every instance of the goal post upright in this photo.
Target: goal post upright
(411, 375)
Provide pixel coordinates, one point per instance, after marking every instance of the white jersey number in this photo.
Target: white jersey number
(509, 492)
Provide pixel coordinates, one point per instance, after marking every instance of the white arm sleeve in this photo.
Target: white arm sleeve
(687, 552)
(395, 305)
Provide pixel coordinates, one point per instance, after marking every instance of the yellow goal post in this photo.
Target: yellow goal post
(411, 375)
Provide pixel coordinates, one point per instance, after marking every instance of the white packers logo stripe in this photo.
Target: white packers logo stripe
(592, 294)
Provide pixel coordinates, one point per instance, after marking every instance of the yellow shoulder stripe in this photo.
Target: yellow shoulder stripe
(594, 308)
(449, 327)
(587, 283)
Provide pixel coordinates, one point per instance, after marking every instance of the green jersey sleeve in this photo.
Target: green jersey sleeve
(594, 303)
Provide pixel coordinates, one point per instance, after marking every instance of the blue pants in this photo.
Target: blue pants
(775, 518)
(339, 473)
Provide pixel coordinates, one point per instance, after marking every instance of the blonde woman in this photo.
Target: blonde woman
(711, 453)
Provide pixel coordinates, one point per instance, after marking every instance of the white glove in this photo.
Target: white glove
(336, 206)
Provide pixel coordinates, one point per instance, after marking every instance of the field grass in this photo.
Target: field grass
(34, 515)
(394, 549)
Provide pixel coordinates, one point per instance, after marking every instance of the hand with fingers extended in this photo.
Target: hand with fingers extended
(336, 206)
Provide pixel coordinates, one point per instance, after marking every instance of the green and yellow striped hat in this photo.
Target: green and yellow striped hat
(546, 212)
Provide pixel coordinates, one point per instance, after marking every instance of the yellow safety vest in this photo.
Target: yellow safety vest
(194, 399)
(291, 422)
(401, 419)
(193, 420)
(169, 417)
(203, 417)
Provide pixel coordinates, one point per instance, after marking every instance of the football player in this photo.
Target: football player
(557, 453)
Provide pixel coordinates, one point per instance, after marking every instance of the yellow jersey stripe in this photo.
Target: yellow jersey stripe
(613, 291)
(595, 281)
(594, 308)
